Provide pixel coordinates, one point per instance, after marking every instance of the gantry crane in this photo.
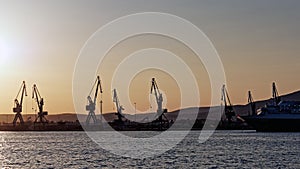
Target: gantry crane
(229, 112)
(275, 95)
(91, 106)
(18, 105)
(251, 103)
(40, 103)
(119, 107)
(159, 100)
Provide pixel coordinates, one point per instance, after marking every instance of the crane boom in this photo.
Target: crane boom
(98, 81)
(36, 95)
(40, 103)
(158, 96)
(18, 105)
(118, 106)
(91, 106)
(24, 91)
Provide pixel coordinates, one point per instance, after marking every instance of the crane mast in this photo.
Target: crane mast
(118, 106)
(158, 96)
(251, 103)
(18, 105)
(40, 103)
(276, 97)
(91, 106)
(229, 112)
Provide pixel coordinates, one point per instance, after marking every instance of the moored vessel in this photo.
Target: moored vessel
(277, 116)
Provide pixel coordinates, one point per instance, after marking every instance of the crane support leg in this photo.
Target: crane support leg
(18, 116)
(91, 115)
(41, 118)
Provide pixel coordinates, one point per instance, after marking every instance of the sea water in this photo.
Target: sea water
(225, 149)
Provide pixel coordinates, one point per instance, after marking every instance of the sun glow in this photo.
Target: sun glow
(5, 51)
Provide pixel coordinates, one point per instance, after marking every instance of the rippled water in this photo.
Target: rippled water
(230, 149)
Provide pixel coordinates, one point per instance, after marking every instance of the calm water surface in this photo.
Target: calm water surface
(225, 149)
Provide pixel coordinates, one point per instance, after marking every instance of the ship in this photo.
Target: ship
(284, 117)
(276, 116)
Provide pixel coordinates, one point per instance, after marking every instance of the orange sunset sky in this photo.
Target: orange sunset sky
(258, 43)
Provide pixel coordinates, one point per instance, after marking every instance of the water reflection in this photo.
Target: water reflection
(224, 150)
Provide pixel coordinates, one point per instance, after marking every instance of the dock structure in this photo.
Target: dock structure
(41, 116)
(18, 105)
(119, 107)
(162, 118)
(91, 106)
(228, 107)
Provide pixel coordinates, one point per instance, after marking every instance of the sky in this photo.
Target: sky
(257, 41)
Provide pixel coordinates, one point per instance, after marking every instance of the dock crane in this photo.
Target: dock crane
(159, 100)
(275, 95)
(251, 103)
(118, 106)
(91, 106)
(40, 103)
(229, 112)
(18, 105)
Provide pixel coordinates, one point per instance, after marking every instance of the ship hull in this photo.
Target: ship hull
(274, 124)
